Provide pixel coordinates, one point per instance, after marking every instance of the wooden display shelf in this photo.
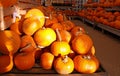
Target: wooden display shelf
(38, 70)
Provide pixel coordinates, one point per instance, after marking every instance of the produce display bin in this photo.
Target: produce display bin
(38, 70)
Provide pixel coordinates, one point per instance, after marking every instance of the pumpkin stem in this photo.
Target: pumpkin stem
(27, 46)
(87, 57)
(2, 24)
(40, 46)
(58, 34)
(64, 17)
(65, 58)
(50, 17)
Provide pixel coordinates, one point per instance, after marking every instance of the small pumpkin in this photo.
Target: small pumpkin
(64, 65)
(24, 61)
(44, 37)
(46, 60)
(35, 12)
(50, 21)
(31, 25)
(28, 43)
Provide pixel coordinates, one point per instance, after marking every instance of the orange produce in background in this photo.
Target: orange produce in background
(50, 21)
(8, 3)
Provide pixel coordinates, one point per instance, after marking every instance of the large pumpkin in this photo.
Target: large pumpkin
(9, 42)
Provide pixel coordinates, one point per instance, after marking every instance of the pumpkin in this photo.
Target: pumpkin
(89, 1)
(86, 63)
(44, 37)
(76, 30)
(9, 42)
(102, 1)
(57, 26)
(50, 21)
(60, 48)
(6, 63)
(67, 24)
(117, 24)
(24, 61)
(27, 43)
(64, 65)
(31, 25)
(65, 35)
(82, 44)
(46, 60)
(16, 27)
(60, 17)
(34, 12)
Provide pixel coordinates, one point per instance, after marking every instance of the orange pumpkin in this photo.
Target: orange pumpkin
(6, 63)
(46, 60)
(68, 25)
(65, 35)
(50, 21)
(82, 44)
(16, 27)
(76, 30)
(86, 63)
(60, 18)
(31, 25)
(44, 37)
(57, 26)
(60, 48)
(9, 42)
(24, 61)
(102, 1)
(34, 12)
(27, 43)
(63, 65)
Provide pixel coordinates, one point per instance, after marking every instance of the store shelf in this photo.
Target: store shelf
(110, 29)
(110, 8)
(104, 27)
(99, 25)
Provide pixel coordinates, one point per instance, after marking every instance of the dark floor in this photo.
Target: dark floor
(107, 48)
